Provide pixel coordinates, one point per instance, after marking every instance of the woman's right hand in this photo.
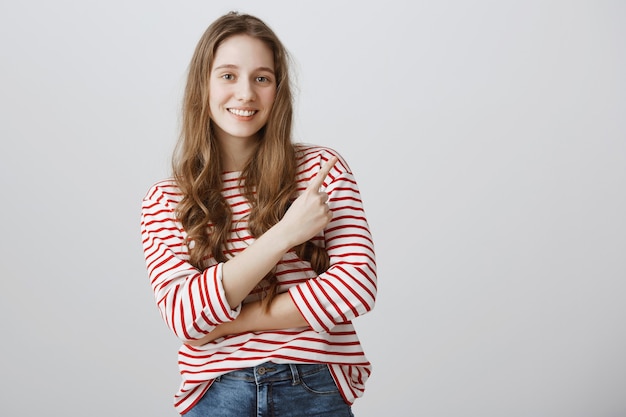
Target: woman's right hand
(309, 213)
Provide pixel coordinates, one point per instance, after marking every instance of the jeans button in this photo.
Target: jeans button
(261, 370)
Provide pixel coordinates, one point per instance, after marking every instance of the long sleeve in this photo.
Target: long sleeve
(348, 288)
(192, 303)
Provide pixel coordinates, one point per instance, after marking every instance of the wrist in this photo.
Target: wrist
(279, 237)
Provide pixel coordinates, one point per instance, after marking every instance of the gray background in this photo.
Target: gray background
(489, 142)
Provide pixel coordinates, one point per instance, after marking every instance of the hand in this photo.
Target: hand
(203, 341)
(309, 213)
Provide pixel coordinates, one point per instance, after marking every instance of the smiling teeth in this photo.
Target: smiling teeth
(242, 112)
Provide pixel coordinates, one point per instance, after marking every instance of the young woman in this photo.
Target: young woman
(258, 249)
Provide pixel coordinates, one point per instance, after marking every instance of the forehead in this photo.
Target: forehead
(245, 52)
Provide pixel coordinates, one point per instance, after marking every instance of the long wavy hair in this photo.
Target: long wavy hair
(270, 183)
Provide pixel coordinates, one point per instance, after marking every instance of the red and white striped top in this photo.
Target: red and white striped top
(193, 302)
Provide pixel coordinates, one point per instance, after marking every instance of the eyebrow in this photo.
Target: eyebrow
(231, 66)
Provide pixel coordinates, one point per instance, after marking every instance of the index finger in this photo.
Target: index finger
(318, 181)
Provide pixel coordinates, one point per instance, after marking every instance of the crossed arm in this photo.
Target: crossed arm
(308, 214)
(282, 314)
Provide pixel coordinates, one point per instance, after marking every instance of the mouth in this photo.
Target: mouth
(242, 113)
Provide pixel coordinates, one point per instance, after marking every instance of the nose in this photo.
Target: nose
(245, 90)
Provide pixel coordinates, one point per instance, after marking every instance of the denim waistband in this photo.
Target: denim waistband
(272, 372)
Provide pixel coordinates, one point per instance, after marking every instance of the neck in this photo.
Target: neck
(236, 152)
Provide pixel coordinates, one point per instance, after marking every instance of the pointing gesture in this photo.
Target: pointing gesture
(309, 213)
(318, 181)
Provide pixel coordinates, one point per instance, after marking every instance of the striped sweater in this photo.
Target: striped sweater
(193, 302)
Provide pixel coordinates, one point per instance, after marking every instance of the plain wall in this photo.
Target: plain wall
(489, 142)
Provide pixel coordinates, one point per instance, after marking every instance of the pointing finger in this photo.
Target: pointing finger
(317, 182)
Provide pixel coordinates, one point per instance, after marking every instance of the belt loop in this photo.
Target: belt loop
(294, 374)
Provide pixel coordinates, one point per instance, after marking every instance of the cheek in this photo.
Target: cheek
(216, 99)
(216, 92)
(270, 98)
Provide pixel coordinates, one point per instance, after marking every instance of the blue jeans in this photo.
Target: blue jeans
(273, 390)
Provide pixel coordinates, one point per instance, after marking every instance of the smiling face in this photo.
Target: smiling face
(242, 89)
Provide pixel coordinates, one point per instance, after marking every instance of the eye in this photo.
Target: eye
(262, 79)
(228, 77)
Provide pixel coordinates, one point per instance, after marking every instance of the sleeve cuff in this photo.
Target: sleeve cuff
(217, 305)
(306, 302)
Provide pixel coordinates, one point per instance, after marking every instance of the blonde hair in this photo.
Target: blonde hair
(196, 164)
